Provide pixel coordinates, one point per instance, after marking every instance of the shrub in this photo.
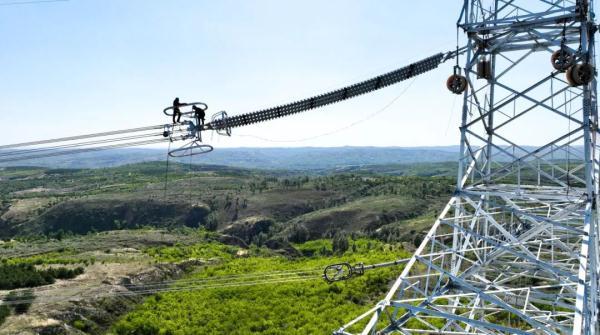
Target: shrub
(20, 300)
(21, 275)
(298, 233)
(340, 243)
(81, 325)
(291, 308)
(4, 313)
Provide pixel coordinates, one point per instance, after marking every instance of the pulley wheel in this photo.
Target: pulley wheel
(456, 83)
(562, 59)
(580, 74)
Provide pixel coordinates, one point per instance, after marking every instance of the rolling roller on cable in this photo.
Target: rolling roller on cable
(344, 271)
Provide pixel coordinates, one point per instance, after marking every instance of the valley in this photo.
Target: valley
(148, 239)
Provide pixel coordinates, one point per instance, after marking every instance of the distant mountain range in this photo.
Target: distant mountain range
(299, 159)
(307, 158)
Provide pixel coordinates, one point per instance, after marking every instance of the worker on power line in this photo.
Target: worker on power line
(176, 110)
(199, 113)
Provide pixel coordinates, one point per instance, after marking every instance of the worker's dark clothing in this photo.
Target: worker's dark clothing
(176, 110)
(199, 113)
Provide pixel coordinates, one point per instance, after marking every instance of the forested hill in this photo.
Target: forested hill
(308, 158)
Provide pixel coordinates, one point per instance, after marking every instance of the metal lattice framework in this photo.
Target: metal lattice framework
(515, 251)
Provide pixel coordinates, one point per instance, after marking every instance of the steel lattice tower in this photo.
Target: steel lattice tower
(515, 251)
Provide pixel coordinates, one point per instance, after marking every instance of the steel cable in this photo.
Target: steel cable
(78, 151)
(331, 97)
(175, 288)
(81, 144)
(237, 277)
(226, 278)
(78, 137)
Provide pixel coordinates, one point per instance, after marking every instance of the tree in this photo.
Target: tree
(22, 300)
(299, 234)
(340, 243)
(4, 313)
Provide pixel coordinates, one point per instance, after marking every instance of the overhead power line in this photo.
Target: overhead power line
(18, 3)
(288, 276)
(191, 129)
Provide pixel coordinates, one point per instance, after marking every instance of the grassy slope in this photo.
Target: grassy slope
(360, 215)
(284, 204)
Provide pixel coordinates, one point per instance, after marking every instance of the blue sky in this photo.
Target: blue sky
(93, 65)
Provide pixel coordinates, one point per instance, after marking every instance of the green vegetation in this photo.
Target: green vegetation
(307, 306)
(208, 250)
(60, 203)
(82, 325)
(26, 275)
(340, 243)
(4, 313)
(125, 222)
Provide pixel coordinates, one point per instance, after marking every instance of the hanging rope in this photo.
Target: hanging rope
(570, 106)
(167, 172)
(190, 181)
(451, 114)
